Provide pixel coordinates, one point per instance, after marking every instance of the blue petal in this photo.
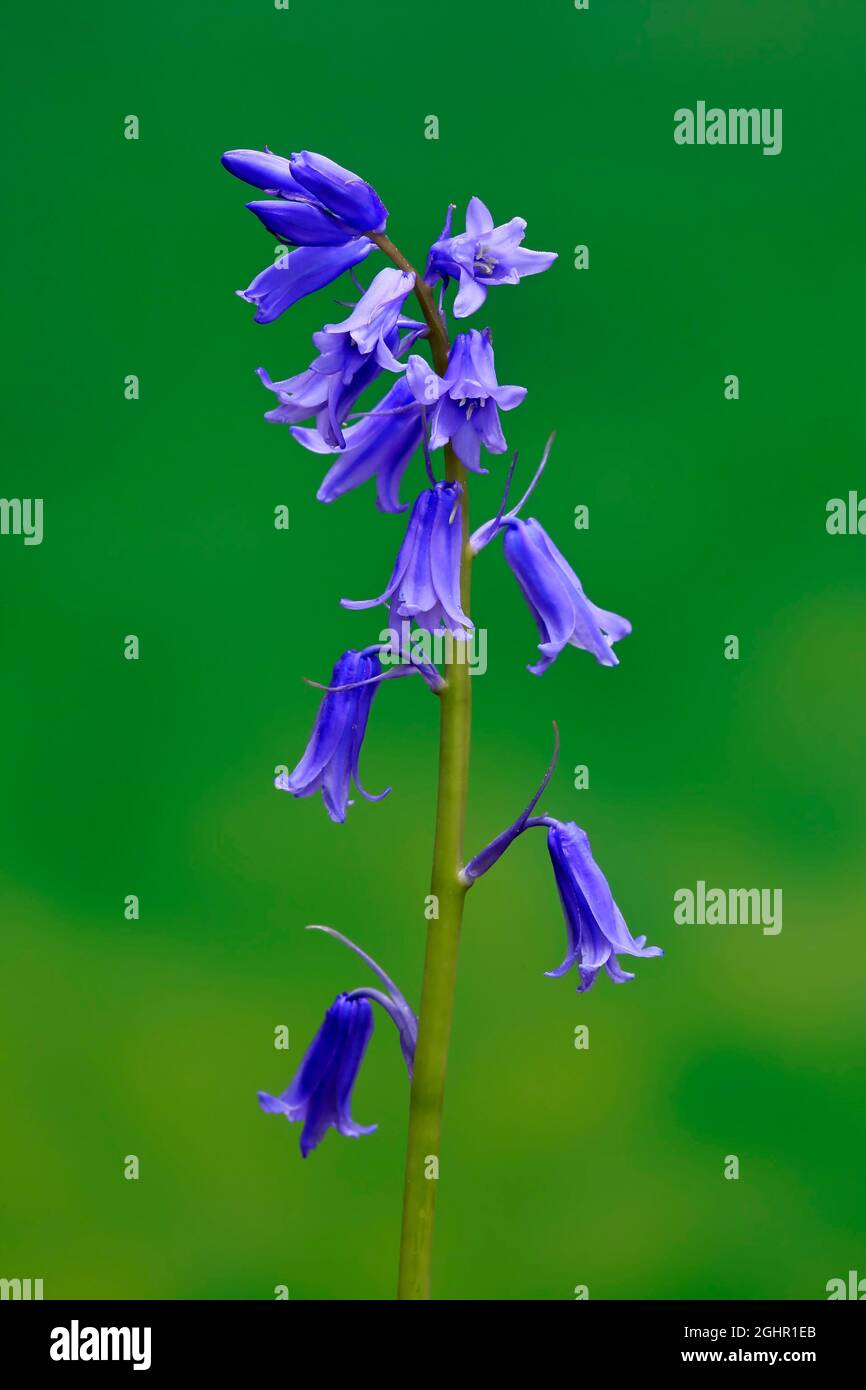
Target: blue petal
(340, 191)
(299, 273)
(301, 223)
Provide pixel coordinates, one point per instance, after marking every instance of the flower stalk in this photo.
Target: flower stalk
(333, 219)
(446, 887)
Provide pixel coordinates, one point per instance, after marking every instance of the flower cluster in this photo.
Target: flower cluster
(328, 221)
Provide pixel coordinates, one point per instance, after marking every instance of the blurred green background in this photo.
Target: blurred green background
(707, 518)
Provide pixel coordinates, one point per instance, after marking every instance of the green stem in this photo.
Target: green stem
(443, 931)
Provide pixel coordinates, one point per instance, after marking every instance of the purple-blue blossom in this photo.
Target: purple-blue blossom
(562, 612)
(597, 933)
(320, 1094)
(425, 580)
(299, 273)
(379, 446)
(344, 194)
(330, 761)
(320, 208)
(332, 201)
(351, 355)
(464, 404)
(483, 256)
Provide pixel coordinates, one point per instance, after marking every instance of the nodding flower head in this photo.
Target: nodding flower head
(351, 356)
(300, 273)
(330, 761)
(597, 932)
(320, 1095)
(465, 403)
(425, 580)
(483, 256)
(562, 612)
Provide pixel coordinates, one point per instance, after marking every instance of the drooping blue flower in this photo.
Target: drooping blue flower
(376, 315)
(330, 761)
(483, 256)
(379, 446)
(351, 355)
(562, 612)
(320, 1095)
(333, 203)
(425, 581)
(299, 273)
(465, 403)
(597, 932)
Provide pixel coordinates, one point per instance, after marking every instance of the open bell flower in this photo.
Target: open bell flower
(464, 405)
(320, 1095)
(299, 273)
(330, 761)
(597, 933)
(425, 581)
(562, 612)
(351, 355)
(379, 446)
(483, 256)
